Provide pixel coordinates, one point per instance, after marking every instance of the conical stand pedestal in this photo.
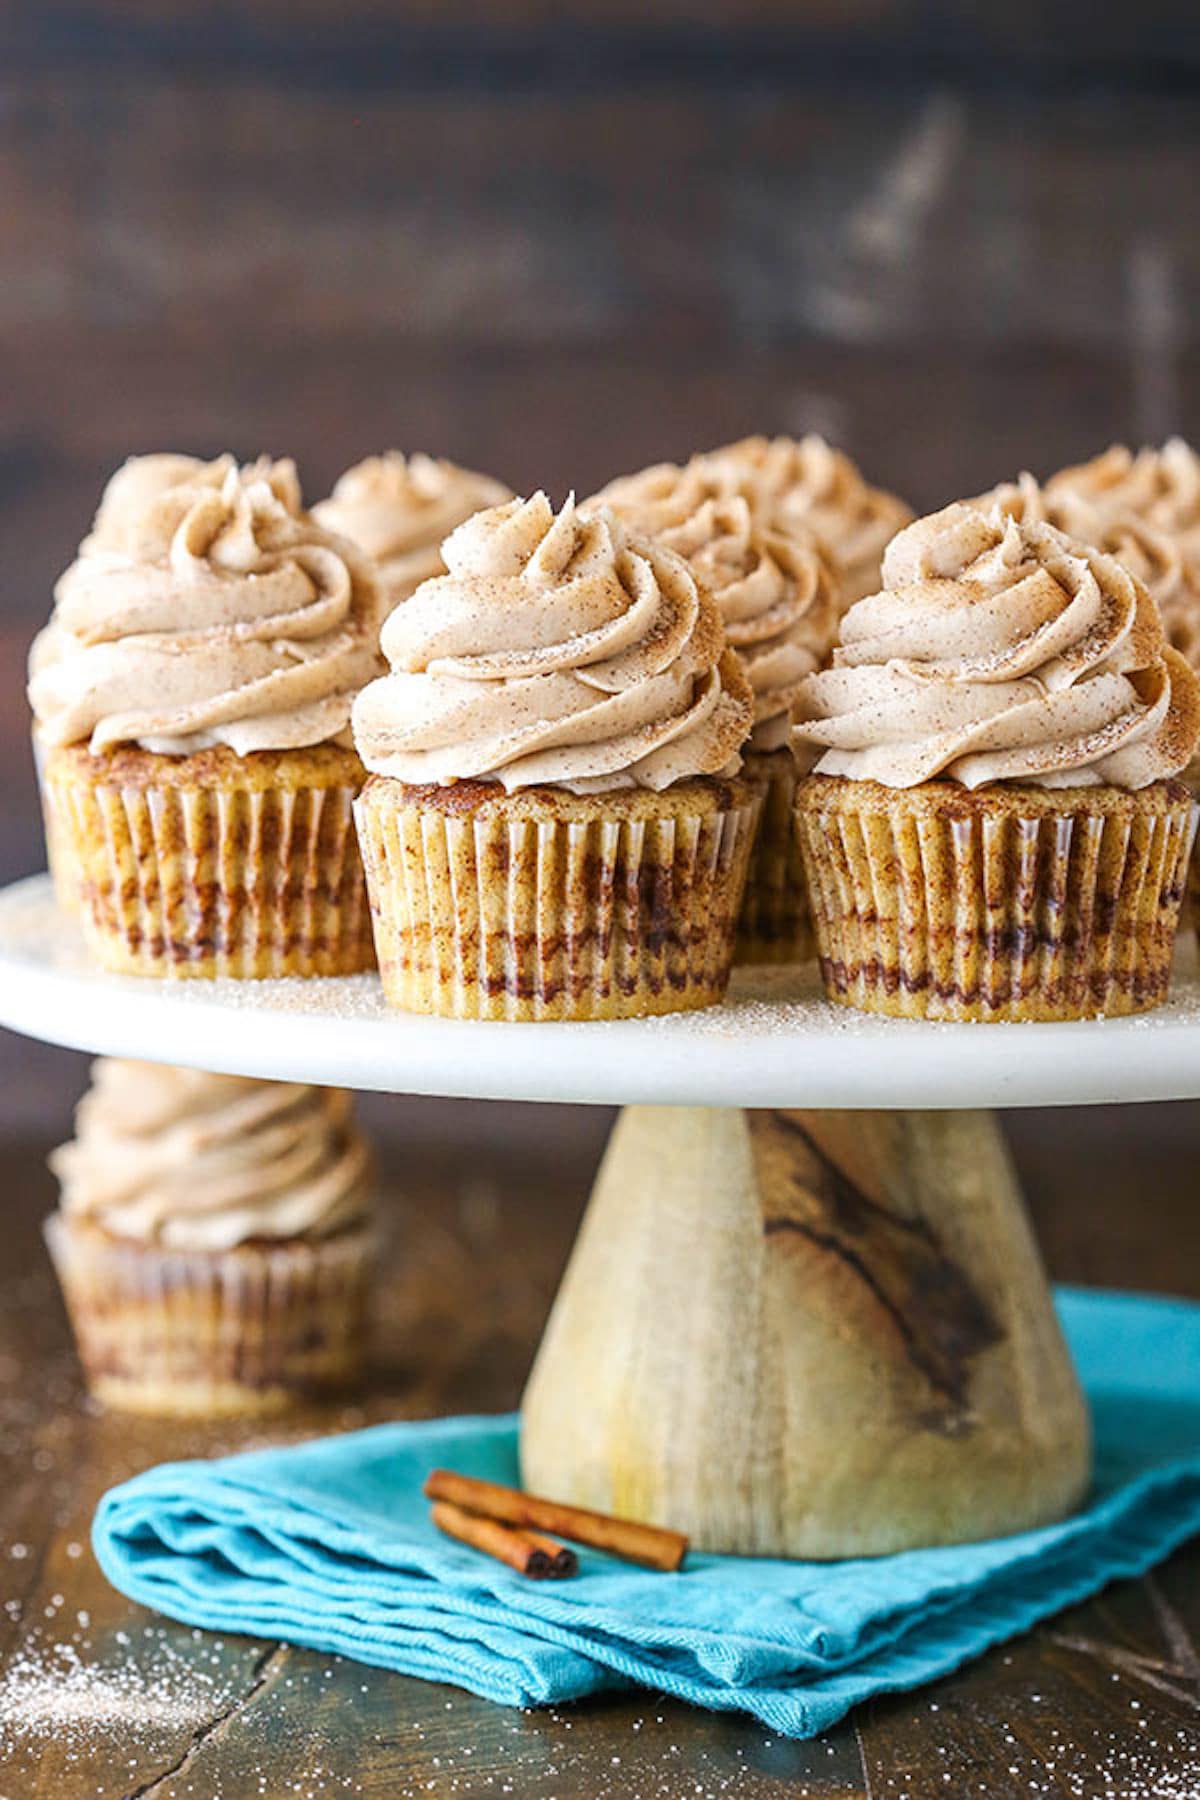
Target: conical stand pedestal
(807, 1334)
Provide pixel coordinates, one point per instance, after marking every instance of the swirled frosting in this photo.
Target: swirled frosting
(1002, 650)
(806, 483)
(193, 1161)
(1160, 487)
(213, 614)
(130, 494)
(399, 508)
(775, 592)
(558, 649)
(1165, 561)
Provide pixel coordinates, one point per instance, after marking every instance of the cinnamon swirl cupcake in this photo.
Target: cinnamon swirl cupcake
(554, 827)
(806, 484)
(192, 696)
(212, 1240)
(135, 486)
(777, 599)
(1145, 509)
(399, 508)
(994, 829)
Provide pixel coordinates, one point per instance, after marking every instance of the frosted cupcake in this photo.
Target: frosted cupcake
(212, 1240)
(994, 829)
(192, 698)
(554, 827)
(136, 485)
(809, 485)
(777, 600)
(399, 508)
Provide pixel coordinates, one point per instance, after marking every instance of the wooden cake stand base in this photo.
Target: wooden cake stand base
(807, 1334)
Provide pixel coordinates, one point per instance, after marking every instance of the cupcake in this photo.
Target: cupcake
(554, 827)
(994, 829)
(809, 484)
(1145, 508)
(399, 508)
(776, 596)
(129, 492)
(212, 1240)
(192, 697)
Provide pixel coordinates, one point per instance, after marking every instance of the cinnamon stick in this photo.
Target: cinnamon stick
(650, 1545)
(528, 1552)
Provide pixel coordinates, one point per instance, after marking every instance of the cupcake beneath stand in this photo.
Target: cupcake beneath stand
(212, 1240)
(192, 697)
(995, 828)
(555, 826)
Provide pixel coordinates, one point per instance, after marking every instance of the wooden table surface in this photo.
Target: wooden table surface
(100, 1698)
(558, 242)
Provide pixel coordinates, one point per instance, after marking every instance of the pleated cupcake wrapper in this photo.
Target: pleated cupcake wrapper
(522, 918)
(774, 924)
(207, 881)
(186, 1333)
(61, 858)
(995, 915)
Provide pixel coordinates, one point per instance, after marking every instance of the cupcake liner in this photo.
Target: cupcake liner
(1007, 903)
(61, 859)
(1189, 912)
(206, 1334)
(774, 924)
(511, 912)
(205, 880)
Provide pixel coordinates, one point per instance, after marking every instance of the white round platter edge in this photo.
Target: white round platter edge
(774, 1042)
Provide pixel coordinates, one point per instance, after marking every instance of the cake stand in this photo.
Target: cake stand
(805, 1314)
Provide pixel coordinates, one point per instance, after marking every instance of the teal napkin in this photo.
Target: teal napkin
(328, 1544)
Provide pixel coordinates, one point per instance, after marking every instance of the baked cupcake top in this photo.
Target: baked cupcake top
(1163, 560)
(558, 649)
(775, 592)
(193, 1161)
(1002, 650)
(214, 613)
(807, 483)
(399, 508)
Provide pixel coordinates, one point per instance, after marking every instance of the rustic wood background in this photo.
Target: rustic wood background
(555, 242)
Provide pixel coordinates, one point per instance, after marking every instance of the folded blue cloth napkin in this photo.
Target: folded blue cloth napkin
(329, 1544)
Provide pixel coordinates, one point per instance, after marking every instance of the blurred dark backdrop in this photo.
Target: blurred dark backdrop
(556, 241)
(561, 240)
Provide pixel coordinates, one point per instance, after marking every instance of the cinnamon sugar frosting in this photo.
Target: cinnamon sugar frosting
(1161, 487)
(399, 508)
(140, 481)
(775, 592)
(806, 483)
(558, 649)
(206, 611)
(200, 1162)
(1166, 561)
(1002, 650)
